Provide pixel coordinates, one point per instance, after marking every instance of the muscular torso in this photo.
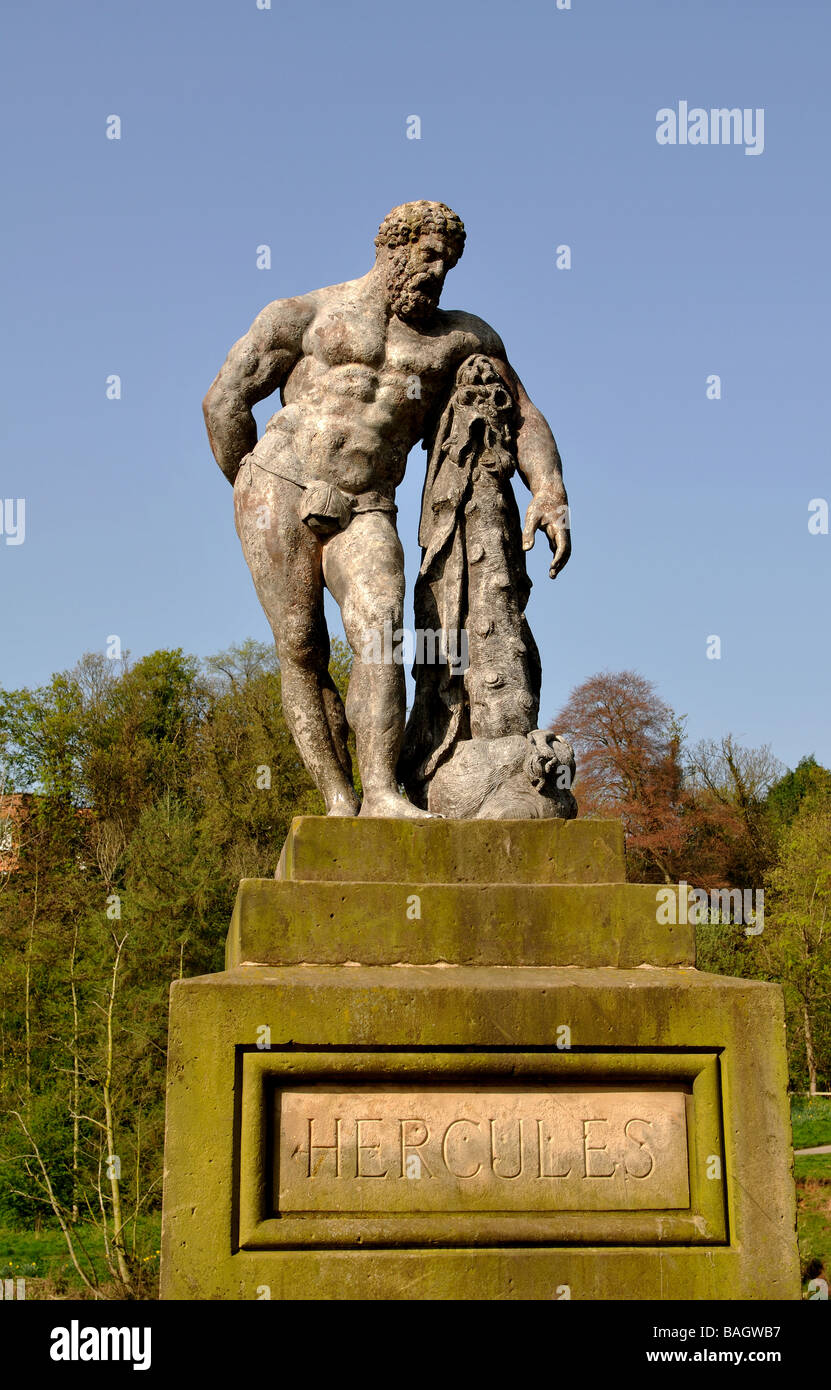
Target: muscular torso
(357, 400)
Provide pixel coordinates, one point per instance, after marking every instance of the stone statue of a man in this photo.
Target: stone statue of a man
(362, 369)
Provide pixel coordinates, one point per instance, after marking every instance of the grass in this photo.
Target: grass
(811, 1125)
(42, 1259)
(813, 1216)
(816, 1166)
(811, 1121)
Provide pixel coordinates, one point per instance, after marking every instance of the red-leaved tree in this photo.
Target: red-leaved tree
(627, 742)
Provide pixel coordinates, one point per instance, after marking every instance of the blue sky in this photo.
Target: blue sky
(287, 127)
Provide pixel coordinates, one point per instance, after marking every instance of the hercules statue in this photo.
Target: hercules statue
(364, 370)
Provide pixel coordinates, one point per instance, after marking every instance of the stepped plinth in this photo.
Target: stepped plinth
(466, 1060)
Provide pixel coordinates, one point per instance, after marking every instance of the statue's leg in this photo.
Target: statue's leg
(364, 571)
(285, 562)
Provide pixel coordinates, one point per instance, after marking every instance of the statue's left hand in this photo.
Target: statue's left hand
(549, 512)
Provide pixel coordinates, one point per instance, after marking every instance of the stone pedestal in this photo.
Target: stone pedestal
(463, 1060)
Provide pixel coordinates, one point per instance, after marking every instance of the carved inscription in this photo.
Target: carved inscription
(397, 1150)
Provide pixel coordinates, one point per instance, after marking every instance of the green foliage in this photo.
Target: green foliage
(139, 734)
(247, 776)
(796, 943)
(21, 1203)
(723, 948)
(40, 1257)
(794, 949)
(807, 779)
(818, 1168)
(811, 1123)
(40, 737)
(154, 787)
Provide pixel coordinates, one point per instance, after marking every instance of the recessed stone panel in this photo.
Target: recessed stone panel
(387, 1149)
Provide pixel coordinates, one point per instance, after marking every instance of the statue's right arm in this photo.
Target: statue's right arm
(256, 366)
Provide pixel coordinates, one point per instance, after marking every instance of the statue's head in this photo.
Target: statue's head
(417, 243)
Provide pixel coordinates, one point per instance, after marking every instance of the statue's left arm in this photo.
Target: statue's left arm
(541, 469)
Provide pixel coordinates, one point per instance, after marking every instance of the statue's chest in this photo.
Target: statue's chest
(344, 337)
(341, 338)
(423, 355)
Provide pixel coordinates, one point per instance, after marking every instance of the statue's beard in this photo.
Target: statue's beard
(414, 297)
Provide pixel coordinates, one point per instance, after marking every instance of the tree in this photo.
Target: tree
(154, 786)
(138, 736)
(730, 784)
(786, 795)
(797, 937)
(627, 743)
(41, 737)
(84, 1006)
(248, 778)
(243, 662)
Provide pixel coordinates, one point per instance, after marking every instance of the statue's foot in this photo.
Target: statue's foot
(343, 805)
(394, 806)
